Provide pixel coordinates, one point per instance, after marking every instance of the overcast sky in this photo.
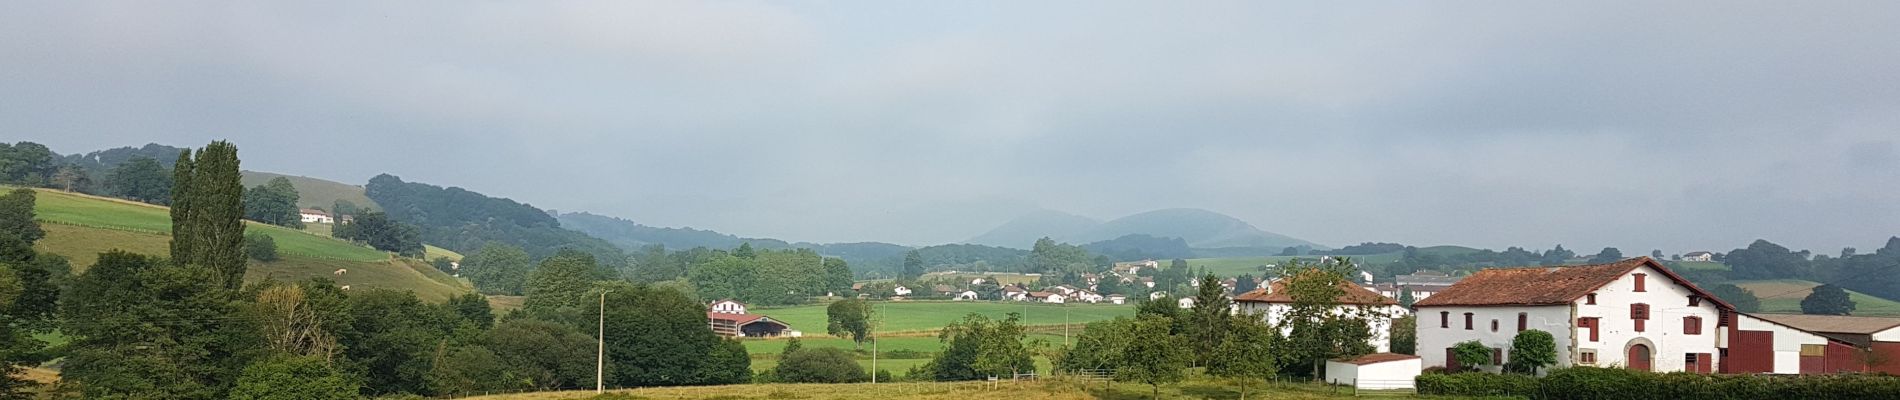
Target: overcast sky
(1676, 126)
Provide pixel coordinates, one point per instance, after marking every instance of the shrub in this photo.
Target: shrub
(1477, 384)
(260, 247)
(820, 365)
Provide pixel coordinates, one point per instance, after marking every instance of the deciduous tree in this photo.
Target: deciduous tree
(1532, 350)
(1156, 357)
(1827, 300)
(849, 319)
(1246, 353)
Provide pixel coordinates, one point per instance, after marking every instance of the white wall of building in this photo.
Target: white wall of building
(1889, 335)
(1397, 374)
(1434, 337)
(1788, 342)
(1668, 304)
(1380, 319)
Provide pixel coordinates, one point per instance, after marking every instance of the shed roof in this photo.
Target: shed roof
(1375, 358)
(1833, 323)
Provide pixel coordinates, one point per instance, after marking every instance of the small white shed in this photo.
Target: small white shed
(1376, 371)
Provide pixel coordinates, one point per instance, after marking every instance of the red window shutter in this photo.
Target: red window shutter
(1497, 356)
(1444, 319)
(1467, 321)
(1639, 325)
(1523, 321)
(1451, 359)
(1691, 325)
(1591, 324)
(1639, 311)
(1640, 278)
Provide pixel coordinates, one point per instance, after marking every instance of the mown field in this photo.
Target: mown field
(80, 227)
(917, 316)
(1784, 296)
(896, 354)
(1029, 390)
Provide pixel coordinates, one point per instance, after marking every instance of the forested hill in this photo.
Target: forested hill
(1201, 229)
(464, 221)
(632, 235)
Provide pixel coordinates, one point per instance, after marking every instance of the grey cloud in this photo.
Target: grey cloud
(1639, 125)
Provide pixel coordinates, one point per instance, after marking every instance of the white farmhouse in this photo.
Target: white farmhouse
(1273, 303)
(315, 216)
(1633, 313)
(727, 306)
(966, 295)
(900, 290)
(1702, 256)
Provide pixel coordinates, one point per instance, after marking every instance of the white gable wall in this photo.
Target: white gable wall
(1380, 319)
(1434, 337)
(1668, 304)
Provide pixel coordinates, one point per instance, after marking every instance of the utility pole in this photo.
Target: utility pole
(600, 355)
(875, 317)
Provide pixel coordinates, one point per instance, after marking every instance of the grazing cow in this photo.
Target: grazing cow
(340, 271)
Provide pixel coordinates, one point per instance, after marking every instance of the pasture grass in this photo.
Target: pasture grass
(1048, 389)
(919, 316)
(1784, 296)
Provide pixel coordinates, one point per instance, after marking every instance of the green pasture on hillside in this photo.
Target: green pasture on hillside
(80, 227)
(98, 212)
(1701, 265)
(1784, 296)
(913, 316)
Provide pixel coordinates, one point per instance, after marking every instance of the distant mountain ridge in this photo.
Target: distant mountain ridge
(1200, 228)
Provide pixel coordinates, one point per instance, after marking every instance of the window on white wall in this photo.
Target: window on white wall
(1587, 356)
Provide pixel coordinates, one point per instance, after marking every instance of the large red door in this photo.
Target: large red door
(1639, 357)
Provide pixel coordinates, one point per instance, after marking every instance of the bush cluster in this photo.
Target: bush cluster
(1478, 384)
(1587, 383)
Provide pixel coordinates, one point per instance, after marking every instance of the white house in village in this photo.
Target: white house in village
(1086, 296)
(1273, 303)
(1702, 256)
(1184, 302)
(1015, 293)
(1633, 313)
(966, 295)
(1047, 297)
(900, 290)
(1157, 295)
(1117, 299)
(315, 216)
(727, 306)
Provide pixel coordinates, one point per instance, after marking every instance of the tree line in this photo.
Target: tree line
(187, 326)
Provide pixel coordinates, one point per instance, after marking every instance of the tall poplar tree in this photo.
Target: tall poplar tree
(208, 212)
(181, 208)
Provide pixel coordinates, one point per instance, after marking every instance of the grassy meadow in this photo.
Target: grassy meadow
(920, 316)
(1784, 296)
(80, 227)
(1053, 389)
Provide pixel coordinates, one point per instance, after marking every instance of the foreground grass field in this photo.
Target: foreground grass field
(918, 316)
(1784, 296)
(1035, 390)
(80, 227)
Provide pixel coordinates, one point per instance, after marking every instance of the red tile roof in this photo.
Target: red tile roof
(1376, 358)
(1551, 285)
(1354, 294)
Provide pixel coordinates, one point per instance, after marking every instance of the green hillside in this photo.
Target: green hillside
(313, 192)
(80, 227)
(1784, 296)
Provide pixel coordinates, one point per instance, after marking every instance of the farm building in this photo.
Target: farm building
(1376, 371)
(966, 295)
(746, 325)
(1117, 299)
(1046, 297)
(1702, 256)
(1273, 303)
(1633, 313)
(728, 306)
(315, 216)
(1879, 336)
